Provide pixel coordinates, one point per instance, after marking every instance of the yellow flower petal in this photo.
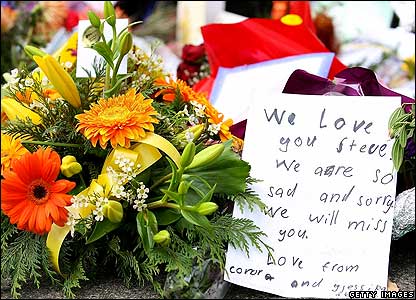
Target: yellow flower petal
(14, 110)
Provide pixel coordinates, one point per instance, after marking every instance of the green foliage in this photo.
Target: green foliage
(8, 231)
(228, 172)
(24, 257)
(73, 279)
(129, 267)
(90, 88)
(248, 199)
(101, 229)
(239, 233)
(401, 128)
(179, 256)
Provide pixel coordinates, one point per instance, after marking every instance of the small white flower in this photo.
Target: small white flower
(119, 191)
(68, 65)
(139, 205)
(98, 212)
(29, 82)
(193, 120)
(72, 221)
(99, 216)
(214, 128)
(14, 72)
(80, 201)
(189, 136)
(185, 111)
(142, 191)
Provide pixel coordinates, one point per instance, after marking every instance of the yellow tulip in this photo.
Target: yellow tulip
(14, 109)
(59, 78)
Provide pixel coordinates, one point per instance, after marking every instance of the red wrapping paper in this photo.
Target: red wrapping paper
(255, 40)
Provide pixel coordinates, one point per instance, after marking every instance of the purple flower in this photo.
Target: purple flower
(410, 149)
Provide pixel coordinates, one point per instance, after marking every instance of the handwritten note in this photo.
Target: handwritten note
(86, 55)
(329, 186)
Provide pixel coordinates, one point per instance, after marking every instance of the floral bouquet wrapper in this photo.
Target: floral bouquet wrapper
(256, 40)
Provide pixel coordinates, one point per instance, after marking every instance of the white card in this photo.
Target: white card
(329, 186)
(234, 87)
(86, 56)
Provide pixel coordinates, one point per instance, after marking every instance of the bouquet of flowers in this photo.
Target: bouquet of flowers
(135, 173)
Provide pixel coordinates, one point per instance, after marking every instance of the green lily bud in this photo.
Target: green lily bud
(125, 44)
(109, 13)
(70, 166)
(162, 237)
(31, 51)
(206, 156)
(94, 19)
(183, 187)
(196, 130)
(207, 208)
(188, 154)
(113, 210)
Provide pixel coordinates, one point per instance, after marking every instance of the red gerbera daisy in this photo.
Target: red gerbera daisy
(30, 194)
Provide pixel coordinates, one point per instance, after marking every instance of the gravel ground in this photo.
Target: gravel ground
(401, 272)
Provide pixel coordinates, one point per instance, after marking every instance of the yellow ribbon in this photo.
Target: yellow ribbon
(145, 154)
(163, 144)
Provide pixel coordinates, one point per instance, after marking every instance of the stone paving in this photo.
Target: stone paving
(401, 272)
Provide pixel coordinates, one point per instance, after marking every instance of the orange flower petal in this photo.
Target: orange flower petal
(30, 193)
(117, 120)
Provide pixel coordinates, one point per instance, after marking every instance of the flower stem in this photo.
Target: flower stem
(161, 180)
(160, 203)
(108, 80)
(51, 144)
(82, 179)
(114, 81)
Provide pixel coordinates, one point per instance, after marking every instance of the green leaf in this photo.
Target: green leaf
(410, 133)
(400, 121)
(228, 172)
(196, 219)
(178, 198)
(166, 216)
(199, 189)
(101, 229)
(146, 227)
(116, 87)
(105, 51)
(397, 154)
(403, 137)
(152, 221)
(395, 115)
(208, 196)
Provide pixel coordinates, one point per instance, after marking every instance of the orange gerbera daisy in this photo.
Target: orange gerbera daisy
(11, 149)
(173, 88)
(118, 120)
(30, 194)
